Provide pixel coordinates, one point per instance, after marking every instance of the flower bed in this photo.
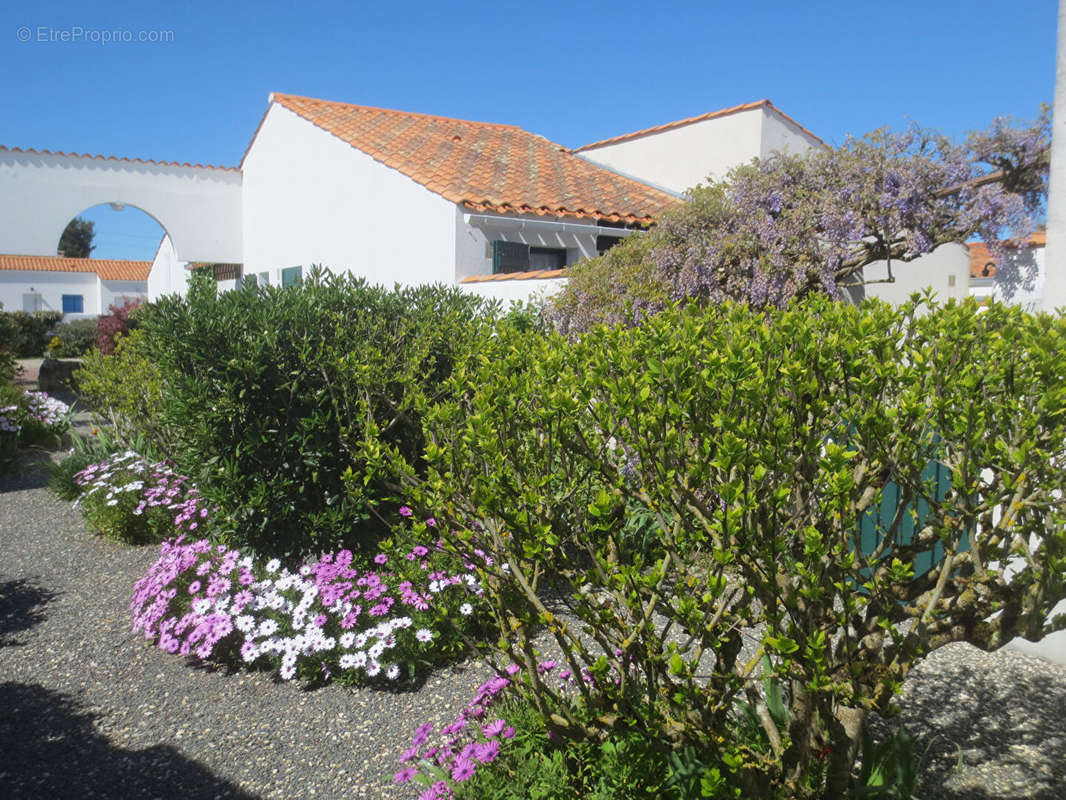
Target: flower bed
(136, 501)
(32, 419)
(327, 620)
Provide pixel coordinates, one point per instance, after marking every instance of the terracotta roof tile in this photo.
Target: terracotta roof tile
(485, 166)
(536, 274)
(107, 269)
(625, 137)
(31, 151)
(983, 265)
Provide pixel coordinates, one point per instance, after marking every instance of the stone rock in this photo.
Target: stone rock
(55, 376)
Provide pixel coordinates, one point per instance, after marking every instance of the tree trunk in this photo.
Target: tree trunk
(845, 736)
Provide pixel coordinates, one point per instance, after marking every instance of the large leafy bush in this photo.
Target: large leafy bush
(73, 339)
(275, 394)
(758, 441)
(26, 334)
(126, 389)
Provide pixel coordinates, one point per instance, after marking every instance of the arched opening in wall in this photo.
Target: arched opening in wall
(124, 239)
(111, 230)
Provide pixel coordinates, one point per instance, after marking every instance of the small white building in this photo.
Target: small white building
(946, 271)
(77, 287)
(1019, 281)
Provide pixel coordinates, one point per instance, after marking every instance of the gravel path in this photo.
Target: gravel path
(89, 710)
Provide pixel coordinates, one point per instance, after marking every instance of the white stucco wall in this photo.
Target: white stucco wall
(781, 135)
(310, 198)
(168, 275)
(511, 291)
(1029, 267)
(946, 270)
(679, 158)
(51, 286)
(117, 292)
(200, 208)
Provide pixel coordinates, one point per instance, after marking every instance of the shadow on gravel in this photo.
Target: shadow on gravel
(31, 473)
(21, 607)
(990, 736)
(51, 749)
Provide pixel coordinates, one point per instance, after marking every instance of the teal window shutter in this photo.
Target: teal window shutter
(509, 257)
(290, 276)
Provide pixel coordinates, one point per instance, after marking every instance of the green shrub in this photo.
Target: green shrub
(27, 334)
(73, 339)
(126, 389)
(9, 368)
(276, 395)
(762, 442)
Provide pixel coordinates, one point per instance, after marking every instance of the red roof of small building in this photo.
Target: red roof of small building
(982, 265)
(108, 269)
(485, 166)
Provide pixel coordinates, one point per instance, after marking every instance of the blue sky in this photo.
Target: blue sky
(573, 73)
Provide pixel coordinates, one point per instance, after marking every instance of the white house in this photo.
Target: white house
(78, 287)
(396, 196)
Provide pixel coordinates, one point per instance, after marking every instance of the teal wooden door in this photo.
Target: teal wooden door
(877, 520)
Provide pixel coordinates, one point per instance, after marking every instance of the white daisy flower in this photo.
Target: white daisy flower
(201, 605)
(268, 627)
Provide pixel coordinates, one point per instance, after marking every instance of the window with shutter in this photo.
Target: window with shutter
(547, 257)
(290, 276)
(509, 257)
(605, 243)
(73, 304)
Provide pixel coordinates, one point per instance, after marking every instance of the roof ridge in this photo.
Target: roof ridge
(397, 111)
(42, 152)
(79, 258)
(680, 123)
